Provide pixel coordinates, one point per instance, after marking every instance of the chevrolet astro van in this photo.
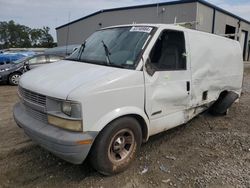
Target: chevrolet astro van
(124, 84)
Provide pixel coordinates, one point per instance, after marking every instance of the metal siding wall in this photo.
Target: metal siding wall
(183, 12)
(246, 27)
(79, 31)
(221, 20)
(205, 18)
(61, 35)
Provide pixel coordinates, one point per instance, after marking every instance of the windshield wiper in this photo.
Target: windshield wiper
(81, 50)
(115, 65)
(107, 53)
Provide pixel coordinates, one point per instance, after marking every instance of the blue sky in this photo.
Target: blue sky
(53, 13)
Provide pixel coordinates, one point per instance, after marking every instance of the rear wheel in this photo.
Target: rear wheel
(14, 78)
(116, 146)
(222, 105)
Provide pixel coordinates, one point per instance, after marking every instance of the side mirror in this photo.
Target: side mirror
(26, 62)
(184, 54)
(149, 67)
(26, 66)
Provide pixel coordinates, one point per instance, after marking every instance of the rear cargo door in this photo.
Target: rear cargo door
(167, 78)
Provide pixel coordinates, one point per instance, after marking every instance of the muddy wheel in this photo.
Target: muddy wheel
(14, 78)
(116, 146)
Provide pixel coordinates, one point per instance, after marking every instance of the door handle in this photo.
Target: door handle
(188, 86)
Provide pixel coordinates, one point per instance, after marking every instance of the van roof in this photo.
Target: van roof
(173, 27)
(170, 26)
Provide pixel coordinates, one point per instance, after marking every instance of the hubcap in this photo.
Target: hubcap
(15, 78)
(121, 145)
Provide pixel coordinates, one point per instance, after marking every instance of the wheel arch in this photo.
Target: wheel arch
(19, 72)
(224, 93)
(126, 112)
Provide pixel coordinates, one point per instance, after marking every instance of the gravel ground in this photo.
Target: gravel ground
(206, 152)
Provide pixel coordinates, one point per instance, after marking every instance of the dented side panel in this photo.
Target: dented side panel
(216, 66)
(167, 96)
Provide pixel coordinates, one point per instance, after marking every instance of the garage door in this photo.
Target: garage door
(243, 42)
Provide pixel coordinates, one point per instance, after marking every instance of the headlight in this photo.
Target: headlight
(6, 69)
(64, 114)
(66, 108)
(69, 124)
(71, 109)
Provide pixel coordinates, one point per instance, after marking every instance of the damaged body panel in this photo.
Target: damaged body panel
(185, 73)
(217, 66)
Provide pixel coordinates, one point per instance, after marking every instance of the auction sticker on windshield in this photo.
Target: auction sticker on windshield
(141, 29)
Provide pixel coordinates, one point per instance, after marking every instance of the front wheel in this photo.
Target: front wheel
(116, 146)
(14, 78)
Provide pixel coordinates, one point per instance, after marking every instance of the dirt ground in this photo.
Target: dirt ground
(207, 152)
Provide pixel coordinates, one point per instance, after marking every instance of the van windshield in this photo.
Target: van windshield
(117, 47)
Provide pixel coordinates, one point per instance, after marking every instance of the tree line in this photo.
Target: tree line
(14, 35)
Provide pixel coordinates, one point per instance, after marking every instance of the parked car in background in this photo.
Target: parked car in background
(8, 57)
(11, 72)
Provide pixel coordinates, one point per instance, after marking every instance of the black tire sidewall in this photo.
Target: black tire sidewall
(10, 80)
(99, 152)
(222, 105)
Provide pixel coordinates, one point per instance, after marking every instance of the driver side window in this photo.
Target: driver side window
(169, 52)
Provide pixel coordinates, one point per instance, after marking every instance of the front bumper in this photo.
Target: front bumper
(4, 76)
(64, 144)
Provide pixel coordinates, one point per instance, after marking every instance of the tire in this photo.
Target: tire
(221, 106)
(110, 153)
(14, 78)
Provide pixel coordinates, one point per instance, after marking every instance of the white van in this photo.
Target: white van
(124, 84)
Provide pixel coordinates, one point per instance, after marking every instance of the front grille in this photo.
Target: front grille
(32, 96)
(36, 114)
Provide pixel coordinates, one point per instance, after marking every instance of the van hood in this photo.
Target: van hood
(59, 79)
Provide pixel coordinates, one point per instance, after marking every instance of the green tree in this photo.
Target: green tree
(3, 34)
(46, 39)
(15, 35)
(35, 35)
